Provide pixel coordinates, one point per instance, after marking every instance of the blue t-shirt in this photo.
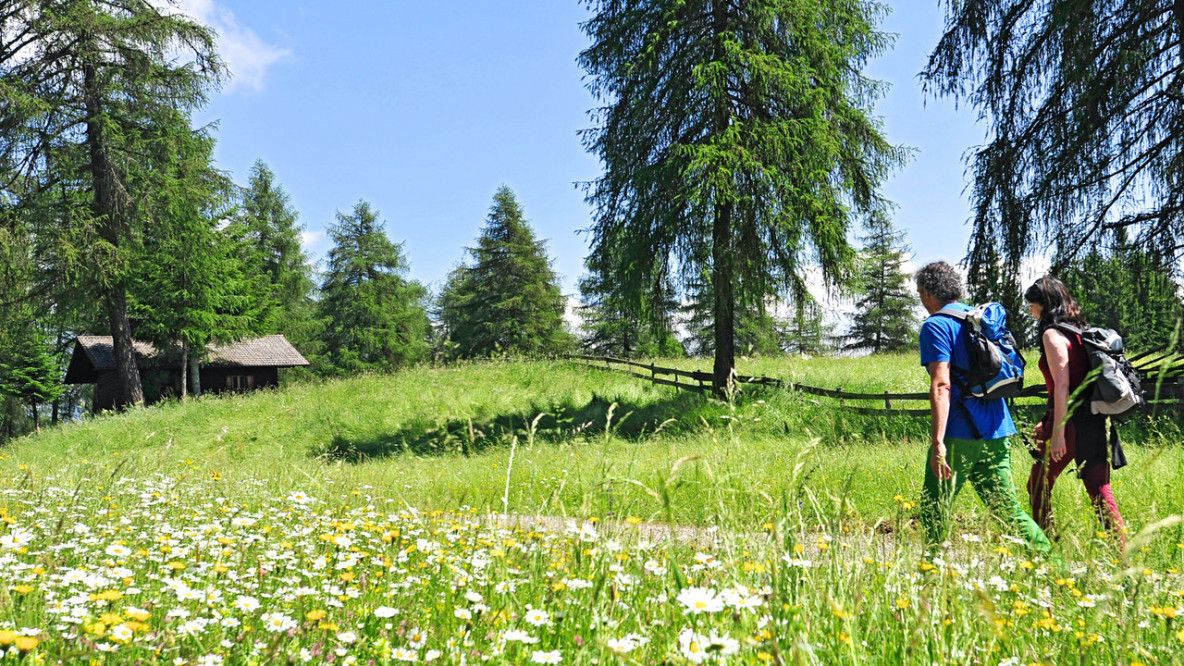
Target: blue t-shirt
(942, 340)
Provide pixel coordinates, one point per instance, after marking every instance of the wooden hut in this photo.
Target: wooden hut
(240, 366)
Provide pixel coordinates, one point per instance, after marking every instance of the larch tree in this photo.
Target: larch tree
(1083, 101)
(373, 317)
(508, 300)
(79, 79)
(885, 318)
(738, 142)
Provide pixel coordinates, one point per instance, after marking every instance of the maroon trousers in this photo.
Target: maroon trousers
(1095, 476)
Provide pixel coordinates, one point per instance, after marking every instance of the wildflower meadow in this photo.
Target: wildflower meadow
(207, 534)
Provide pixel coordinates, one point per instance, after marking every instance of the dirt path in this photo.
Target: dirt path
(879, 545)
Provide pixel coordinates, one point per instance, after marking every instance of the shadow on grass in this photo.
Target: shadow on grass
(539, 423)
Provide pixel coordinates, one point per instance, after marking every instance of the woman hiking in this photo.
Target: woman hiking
(1068, 431)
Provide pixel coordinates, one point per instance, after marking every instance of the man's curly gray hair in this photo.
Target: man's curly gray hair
(941, 280)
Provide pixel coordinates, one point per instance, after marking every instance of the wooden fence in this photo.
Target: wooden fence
(1164, 371)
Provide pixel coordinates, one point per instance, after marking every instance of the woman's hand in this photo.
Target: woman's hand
(1057, 448)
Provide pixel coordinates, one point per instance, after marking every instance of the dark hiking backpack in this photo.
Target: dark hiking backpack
(1117, 389)
(996, 365)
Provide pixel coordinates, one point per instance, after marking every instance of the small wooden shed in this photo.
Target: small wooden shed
(240, 366)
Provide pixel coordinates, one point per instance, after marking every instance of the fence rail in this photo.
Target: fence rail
(1164, 371)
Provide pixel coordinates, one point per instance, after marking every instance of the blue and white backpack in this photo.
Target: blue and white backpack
(996, 365)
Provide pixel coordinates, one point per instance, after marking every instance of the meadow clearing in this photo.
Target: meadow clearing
(389, 519)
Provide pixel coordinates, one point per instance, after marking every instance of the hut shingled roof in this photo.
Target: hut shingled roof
(271, 351)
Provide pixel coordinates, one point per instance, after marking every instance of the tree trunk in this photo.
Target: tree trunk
(184, 372)
(722, 274)
(106, 208)
(36, 418)
(722, 254)
(131, 391)
(195, 374)
(54, 407)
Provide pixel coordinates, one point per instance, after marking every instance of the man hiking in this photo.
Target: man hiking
(968, 440)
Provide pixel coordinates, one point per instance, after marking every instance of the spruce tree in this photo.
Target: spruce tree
(885, 318)
(508, 301)
(758, 331)
(373, 317)
(1126, 290)
(29, 372)
(193, 287)
(80, 83)
(738, 142)
(808, 333)
(272, 232)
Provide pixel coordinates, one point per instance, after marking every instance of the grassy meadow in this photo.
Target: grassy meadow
(547, 512)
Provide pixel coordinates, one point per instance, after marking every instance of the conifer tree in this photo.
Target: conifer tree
(885, 318)
(373, 317)
(508, 301)
(193, 288)
(758, 332)
(1125, 289)
(808, 333)
(272, 232)
(80, 79)
(625, 325)
(29, 372)
(738, 142)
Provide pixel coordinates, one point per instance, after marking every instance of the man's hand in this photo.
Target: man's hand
(937, 461)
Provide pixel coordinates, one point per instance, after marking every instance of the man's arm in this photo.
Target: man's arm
(939, 409)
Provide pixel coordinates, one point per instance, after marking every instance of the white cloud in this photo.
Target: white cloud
(313, 242)
(571, 314)
(246, 55)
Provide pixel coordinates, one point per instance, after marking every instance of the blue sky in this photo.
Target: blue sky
(425, 108)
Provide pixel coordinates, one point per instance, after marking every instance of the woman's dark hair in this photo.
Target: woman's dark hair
(941, 280)
(1058, 305)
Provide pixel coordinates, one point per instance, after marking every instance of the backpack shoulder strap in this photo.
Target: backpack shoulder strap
(960, 315)
(1067, 328)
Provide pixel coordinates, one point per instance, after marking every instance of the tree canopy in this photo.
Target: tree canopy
(1083, 100)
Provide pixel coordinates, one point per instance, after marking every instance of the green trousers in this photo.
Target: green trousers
(986, 463)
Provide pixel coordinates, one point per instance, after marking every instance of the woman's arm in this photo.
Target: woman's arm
(1056, 350)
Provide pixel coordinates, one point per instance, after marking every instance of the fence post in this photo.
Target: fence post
(887, 401)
